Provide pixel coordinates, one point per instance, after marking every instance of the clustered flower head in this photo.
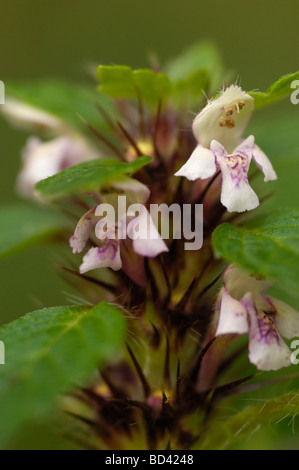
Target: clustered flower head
(131, 214)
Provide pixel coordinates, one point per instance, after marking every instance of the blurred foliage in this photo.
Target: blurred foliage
(49, 351)
(87, 177)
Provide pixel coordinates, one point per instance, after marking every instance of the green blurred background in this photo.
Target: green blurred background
(51, 38)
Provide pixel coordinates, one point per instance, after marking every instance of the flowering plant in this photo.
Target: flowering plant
(169, 335)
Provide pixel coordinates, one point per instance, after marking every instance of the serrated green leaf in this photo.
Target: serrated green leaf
(47, 353)
(268, 245)
(22, 225)
(226, 433)
(199, 57)
(280, 89)
(65, 100)
(119, 81)
(88, 177)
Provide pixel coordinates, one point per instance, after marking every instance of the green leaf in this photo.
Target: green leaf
(88, 177)
(119, 81)
(203, 56)
(267, 245)
(22, 225)
(190, 92)
(47, 353)
(277, 91)
(226, 433)
(64, 100)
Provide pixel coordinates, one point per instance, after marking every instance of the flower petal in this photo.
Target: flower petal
(40, 160)
(238, 198)
(133, 189)
(224, 118)
(267, 350)
(263, 162)
(132, 263)
(201, 164)
(233, 316)
(146, 239)
(106, 226)
(237, 195)
(286, 319)
(44, 159)
(83, 231)
(107, 256)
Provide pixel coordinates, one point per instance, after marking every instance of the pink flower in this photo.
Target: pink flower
(44, 159)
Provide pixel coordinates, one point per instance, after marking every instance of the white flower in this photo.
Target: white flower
(245, 308)
(44, 159)
(119, 236)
